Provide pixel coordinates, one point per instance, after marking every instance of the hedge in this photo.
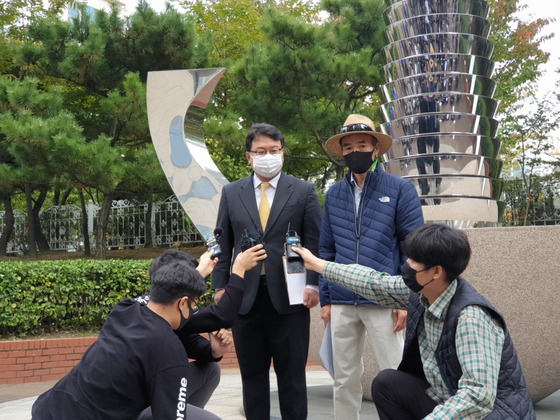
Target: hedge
(66, 295)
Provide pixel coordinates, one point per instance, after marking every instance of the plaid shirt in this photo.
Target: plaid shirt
(479, 340)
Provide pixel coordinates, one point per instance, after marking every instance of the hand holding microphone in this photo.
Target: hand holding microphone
(209, 259)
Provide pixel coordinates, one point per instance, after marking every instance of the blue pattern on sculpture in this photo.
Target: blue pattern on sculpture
(180, 155)
(202, 188)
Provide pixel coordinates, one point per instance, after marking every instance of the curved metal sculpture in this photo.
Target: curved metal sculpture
(439, 108)
(176, 102)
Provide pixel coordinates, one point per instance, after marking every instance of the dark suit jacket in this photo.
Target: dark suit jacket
(295, 203)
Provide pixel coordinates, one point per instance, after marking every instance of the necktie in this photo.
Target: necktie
(264, 207)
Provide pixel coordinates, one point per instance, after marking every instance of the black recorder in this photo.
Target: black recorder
(294, 262)
(249, 240)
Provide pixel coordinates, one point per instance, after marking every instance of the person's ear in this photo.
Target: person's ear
(439, 272)
(183, 302)
(375, 152)
(248, 156)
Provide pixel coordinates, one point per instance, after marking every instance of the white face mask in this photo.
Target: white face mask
(268, 165)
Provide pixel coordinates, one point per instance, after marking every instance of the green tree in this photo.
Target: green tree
(31, 120)
(93, 61)
(8, 186)
(525, 135)
(533, 163)
(233, 27)
(83, 165)
(97, 53)
(518, 57)
(14, 14)
(306, 77)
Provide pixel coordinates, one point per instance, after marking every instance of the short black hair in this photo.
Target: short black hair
(169, 256)
(263, 129)
(175, 280)
(436, 244)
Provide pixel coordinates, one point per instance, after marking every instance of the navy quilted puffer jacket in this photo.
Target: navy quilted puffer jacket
(370, 235)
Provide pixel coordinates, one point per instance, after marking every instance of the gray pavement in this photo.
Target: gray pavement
(16, 400)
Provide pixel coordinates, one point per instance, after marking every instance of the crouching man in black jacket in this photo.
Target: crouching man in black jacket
(138, 361)
(204, 371)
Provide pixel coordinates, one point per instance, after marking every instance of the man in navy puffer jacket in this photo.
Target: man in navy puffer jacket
(366, 217)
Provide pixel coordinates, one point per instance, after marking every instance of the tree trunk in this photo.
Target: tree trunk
(101, 230)
(148, 240)
(41, 240)
(65, 196)
(527, 207)
(87, 250)
(31, 242)
(9, 222)
(340, 172)
(56, 197)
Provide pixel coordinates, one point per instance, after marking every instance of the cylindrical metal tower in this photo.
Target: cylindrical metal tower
(439, 108)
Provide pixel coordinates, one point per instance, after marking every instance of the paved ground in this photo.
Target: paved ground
(16, 400)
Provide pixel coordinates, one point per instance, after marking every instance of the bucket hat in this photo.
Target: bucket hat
(358, 124)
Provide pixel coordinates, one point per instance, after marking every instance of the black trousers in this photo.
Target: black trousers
(203, 379)
(263, 335)
(401, 396)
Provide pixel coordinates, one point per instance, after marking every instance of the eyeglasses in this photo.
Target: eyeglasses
(265, 152)
(355, 127)
(196, 308)
(193, 309)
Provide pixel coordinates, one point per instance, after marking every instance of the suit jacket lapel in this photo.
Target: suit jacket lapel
(247, 198)
(281, 197)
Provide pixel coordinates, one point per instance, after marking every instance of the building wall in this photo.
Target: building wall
(23, 361)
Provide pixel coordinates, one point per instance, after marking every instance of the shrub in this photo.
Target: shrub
(67, 295)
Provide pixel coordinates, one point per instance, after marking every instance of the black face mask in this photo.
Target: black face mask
(359, 162)
(409, 277)
(183, 319)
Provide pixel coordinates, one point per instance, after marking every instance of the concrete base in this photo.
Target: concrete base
(516, 269)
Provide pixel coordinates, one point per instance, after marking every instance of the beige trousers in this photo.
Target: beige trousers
(349, 325)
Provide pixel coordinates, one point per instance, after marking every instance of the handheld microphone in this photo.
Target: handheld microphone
(213, 242)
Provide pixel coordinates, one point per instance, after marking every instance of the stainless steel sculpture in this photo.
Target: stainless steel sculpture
(176, 101)
(439, 108)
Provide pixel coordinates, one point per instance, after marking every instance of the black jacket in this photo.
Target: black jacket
(295, 206)
(136, 362)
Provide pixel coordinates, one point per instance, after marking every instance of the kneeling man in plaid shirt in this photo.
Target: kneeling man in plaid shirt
(458, 361)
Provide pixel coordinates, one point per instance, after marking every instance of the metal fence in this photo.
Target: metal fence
(548, 220)
(127, 227)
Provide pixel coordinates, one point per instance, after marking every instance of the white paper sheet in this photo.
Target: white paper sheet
(326, 352)
(295, 283)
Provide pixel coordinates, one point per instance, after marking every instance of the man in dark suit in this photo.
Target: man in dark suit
(268, 203)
